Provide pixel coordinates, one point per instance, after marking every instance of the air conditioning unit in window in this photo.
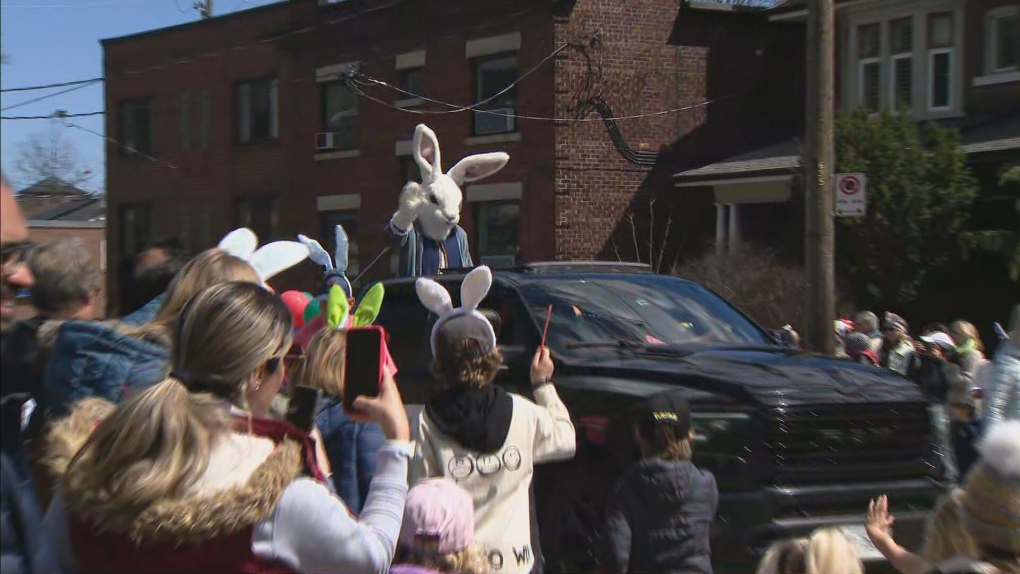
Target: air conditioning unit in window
(325, 141)
(497, 121)
(499, 261)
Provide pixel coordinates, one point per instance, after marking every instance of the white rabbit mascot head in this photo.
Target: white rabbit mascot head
(268, 260)
(436, 202)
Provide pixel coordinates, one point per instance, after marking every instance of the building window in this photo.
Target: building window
(257, 119)
(261, 215)
(1002, 37)
(135, 227)
(498, 104)
(136, 127)
(412, 82)
(203, 111)
(409, 170)
(339, 117)
(901, 55)
(940, 61)
(496, 223)
(186, 122)
(348, 218)
(869, 81)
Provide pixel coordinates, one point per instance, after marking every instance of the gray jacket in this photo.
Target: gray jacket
(1001, 382)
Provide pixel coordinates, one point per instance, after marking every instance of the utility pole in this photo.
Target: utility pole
(819, 160)
(205, 9)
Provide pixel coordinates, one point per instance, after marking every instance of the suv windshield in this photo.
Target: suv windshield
(645, 310)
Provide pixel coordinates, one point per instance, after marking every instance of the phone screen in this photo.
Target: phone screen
(301, 409)
(363, 364)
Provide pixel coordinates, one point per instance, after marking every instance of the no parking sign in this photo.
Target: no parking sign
(851, 194)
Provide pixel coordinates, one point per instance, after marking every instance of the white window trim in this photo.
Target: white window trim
(992, 37)
(411, 60)
(494, 192)
(332, 72)
(996, 79)
(952, 75)
(403, 148)
(892, 79)
(493, 45)
(345, 202)
(861, 63)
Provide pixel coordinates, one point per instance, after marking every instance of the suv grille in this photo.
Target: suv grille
(825, 443)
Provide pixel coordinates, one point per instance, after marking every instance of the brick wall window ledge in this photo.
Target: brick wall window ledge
(337, 155)
(995, 79)
(497, 138)
(409, 103)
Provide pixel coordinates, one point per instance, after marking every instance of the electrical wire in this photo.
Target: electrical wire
(66, 6)
(52, 116)
(48, 96)
(120, 145)
(49, 86)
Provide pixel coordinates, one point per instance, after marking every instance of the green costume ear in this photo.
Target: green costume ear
(336, 308)
(368, 308)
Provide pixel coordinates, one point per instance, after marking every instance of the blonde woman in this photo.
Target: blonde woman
(189, 477)
(945, 536)
(106, 360)
(826, 551)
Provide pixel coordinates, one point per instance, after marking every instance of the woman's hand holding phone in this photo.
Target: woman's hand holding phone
(387, 409)
(320, 452)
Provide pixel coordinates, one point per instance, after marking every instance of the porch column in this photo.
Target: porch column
(720, 228)
(734, 228)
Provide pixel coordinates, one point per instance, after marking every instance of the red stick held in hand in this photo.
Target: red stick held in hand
(548, 315)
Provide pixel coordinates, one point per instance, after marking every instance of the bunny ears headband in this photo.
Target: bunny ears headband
(268, 260)
(337, 309)
(319, 255)
(464, 321)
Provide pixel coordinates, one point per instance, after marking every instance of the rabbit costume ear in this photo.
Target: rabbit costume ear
(337, 308)
(426, 151)
(473, 290)
(240, 243)
(475, 167)
(343, 247)
(278, 256)
(315, 252)
(369, 306)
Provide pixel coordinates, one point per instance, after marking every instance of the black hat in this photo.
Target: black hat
(665, 409)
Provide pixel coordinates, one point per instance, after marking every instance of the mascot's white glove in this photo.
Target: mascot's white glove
(411, 201)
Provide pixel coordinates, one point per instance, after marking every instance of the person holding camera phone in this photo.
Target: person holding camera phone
(191, 475)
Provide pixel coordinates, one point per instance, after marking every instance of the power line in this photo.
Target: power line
(48, 96)
(52, 116)
(49, 86)
(119, 144)
(67, 6)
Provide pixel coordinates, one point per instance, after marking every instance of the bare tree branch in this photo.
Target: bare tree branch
(48, 154)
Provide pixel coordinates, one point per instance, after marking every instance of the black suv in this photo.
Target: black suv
(796, 441)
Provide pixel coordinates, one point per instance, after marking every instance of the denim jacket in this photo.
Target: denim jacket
(351, 447)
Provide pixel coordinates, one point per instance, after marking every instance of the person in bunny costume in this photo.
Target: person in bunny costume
(425, 225)
(478, 435)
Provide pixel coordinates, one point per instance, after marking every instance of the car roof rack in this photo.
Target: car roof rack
(585, 267)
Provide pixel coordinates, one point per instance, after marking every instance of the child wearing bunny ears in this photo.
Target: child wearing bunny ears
(481, 437)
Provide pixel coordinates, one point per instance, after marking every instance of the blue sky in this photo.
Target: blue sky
(54, 41)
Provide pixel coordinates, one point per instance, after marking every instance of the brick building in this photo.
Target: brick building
(55, 209)
(244, 119)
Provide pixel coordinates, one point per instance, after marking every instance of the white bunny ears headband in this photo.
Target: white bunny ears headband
(473, 290)
(319, 255)
(268, 260)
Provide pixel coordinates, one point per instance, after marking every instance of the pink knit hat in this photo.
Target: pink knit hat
(439, 518)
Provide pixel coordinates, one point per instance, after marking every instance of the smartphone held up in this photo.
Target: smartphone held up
(363, 364)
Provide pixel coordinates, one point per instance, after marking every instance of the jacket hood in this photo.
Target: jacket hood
(478, 419)
(669, 482)
(191, 519)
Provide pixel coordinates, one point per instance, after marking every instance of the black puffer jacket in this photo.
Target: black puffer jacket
(659, 518)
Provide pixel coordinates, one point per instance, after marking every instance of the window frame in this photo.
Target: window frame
(136, 208)
(186, 121)
(479, 220)
(324, 88)
(264, 235)
(992, 37)
(894, 60)
(273, 102)
(864, 61)
(411, 94)
(476, 73)
(935, 50)
(124, 109)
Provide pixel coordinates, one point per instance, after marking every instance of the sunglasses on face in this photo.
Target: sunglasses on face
(14, 254)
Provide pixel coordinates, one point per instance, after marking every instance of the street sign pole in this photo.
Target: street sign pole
(820, 278)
